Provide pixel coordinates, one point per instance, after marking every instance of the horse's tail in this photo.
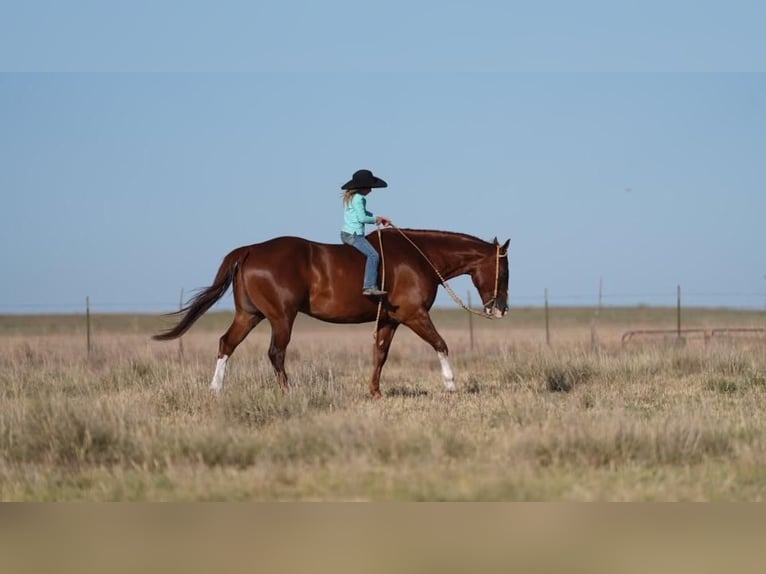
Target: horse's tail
(206, 298)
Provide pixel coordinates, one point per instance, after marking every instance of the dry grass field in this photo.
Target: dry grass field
(649, 421)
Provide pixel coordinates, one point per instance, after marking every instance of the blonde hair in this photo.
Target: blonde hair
(348, 194)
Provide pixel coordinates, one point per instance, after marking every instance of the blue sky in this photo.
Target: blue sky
(598, 159)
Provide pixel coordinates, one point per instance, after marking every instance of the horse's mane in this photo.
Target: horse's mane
(438, 232)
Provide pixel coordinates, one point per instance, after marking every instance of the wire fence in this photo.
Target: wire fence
(661, 300)
(734, 300)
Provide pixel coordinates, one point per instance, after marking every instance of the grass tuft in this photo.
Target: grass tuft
(563, 379)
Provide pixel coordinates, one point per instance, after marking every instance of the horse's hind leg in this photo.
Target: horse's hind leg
(243, 323)
(384, 336)
(281, 329)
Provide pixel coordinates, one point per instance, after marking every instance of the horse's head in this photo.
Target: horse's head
(490, 277)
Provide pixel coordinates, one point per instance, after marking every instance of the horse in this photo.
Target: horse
(284, 276)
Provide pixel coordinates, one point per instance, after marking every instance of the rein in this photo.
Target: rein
(443, 281)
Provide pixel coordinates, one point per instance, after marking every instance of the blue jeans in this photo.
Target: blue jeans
(371, 267)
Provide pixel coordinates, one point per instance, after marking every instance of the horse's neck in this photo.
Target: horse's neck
(451, 254)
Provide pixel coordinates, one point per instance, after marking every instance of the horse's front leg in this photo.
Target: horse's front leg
(447, 375)
(424, 328)
(383, 337)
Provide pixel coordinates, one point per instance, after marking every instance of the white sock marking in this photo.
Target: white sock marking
(220, 371)
(447, 375)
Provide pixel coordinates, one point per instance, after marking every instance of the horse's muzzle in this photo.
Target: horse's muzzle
(492, 309)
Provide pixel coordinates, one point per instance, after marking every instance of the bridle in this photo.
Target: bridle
(488, 305)
(491, 303)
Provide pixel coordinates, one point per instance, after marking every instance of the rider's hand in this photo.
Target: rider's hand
(384, 221)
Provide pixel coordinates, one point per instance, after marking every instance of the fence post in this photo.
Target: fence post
(87, 324)
(678, 311)
(181, 339)
(547, 322)
(594, 322)
(470, 319)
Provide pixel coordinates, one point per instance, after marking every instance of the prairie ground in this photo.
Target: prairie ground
(584, 418)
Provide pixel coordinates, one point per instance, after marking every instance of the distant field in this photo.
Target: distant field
(652, 420)
(521, 320)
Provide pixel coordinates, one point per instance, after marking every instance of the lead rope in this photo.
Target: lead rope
(443, 281)
(382, 285)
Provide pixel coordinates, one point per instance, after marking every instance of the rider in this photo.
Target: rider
(355, 216)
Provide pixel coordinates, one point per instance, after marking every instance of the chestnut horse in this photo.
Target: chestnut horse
(281, 277)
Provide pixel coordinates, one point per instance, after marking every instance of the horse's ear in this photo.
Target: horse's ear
(504, 248)
(494, 241)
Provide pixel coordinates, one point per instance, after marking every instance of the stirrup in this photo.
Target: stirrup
(373, 291)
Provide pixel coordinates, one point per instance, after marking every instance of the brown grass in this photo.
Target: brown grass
(651, 421)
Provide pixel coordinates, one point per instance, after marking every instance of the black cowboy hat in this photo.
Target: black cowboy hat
(362, 179)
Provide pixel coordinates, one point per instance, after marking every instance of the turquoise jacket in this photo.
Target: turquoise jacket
(356, 215)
